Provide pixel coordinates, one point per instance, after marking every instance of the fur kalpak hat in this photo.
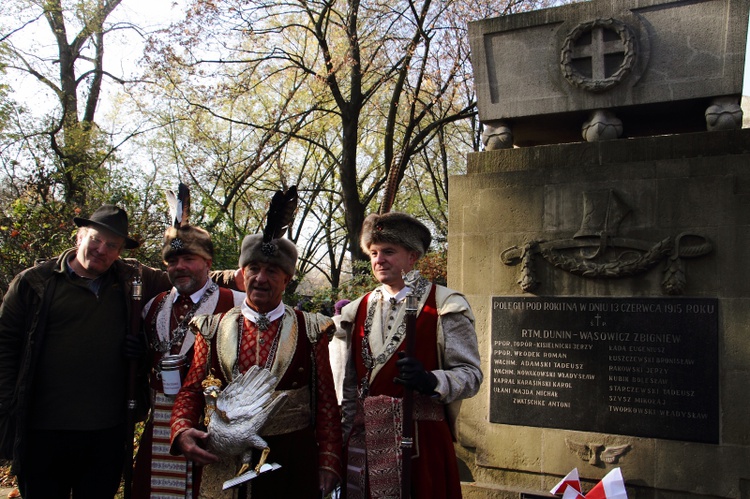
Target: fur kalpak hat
(187, 239)
(271, 246)
(395, 228)
(182, 238)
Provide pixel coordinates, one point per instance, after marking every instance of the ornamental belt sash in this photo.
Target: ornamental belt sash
(295, 414)
(375, 444)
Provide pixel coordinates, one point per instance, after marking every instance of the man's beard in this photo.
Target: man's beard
(188, 287)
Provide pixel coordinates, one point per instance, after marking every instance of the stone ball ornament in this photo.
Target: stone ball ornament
(497, 135)
(601, 125)
(724, 113)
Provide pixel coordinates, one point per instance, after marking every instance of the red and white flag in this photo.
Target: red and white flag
(571, 493)
(612, 486)
(571, 481)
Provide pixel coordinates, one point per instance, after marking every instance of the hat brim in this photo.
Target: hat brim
(85, 222)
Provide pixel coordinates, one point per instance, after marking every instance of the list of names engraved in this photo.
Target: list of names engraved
(646, 367)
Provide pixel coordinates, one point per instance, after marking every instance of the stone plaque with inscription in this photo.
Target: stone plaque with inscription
(645, 367)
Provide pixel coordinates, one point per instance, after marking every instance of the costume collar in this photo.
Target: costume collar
(398, 296)
(253, 316)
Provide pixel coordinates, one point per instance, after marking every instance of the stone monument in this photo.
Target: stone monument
(601, 240)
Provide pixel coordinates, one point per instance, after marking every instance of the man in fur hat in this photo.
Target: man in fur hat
(188, 253)
(305, 434)
(443, 371)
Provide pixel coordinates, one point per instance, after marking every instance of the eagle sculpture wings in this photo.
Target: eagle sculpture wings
(242, 409)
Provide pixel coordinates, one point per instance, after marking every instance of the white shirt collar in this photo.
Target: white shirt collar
(252, 315)
(195, 297)
(398, 296)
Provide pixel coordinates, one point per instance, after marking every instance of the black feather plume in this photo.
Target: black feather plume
(280, 213)
(183, 194)
(179, 206)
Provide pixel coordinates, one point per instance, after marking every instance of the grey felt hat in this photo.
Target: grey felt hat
(279, 251)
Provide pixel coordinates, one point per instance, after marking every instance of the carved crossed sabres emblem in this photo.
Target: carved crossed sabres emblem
(596, 251)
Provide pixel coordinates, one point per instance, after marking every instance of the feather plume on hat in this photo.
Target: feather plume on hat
(280, 213)
(271, 246)
(181, 237)
(279, 217)
(179, 205)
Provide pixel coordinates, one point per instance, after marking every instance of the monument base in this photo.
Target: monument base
(672, 185)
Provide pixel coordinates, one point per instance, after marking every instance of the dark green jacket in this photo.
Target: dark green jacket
(21, 337)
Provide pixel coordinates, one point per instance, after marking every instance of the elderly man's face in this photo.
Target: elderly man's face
(97, 250)
(264, 284)
(188, 273)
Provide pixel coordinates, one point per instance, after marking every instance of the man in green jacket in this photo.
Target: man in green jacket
(64, 356)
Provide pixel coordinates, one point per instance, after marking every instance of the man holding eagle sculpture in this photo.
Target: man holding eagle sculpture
(290, 347)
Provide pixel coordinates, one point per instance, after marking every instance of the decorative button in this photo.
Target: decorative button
(301, 370)
(294, 384)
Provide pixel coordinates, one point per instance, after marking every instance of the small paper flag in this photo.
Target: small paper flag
(612, 486)
(571, 493)
(571, 480)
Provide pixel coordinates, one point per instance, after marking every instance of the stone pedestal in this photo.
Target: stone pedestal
(514, 203)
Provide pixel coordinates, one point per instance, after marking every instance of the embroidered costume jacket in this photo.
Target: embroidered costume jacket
(305, 435)
(446, 344)
(163, 479)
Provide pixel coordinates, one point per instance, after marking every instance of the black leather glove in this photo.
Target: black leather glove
(134, 347)
(411, 374)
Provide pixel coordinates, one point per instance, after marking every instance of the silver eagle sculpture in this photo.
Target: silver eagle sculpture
(241, 411)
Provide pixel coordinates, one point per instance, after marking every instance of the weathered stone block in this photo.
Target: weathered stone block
(655, 64)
